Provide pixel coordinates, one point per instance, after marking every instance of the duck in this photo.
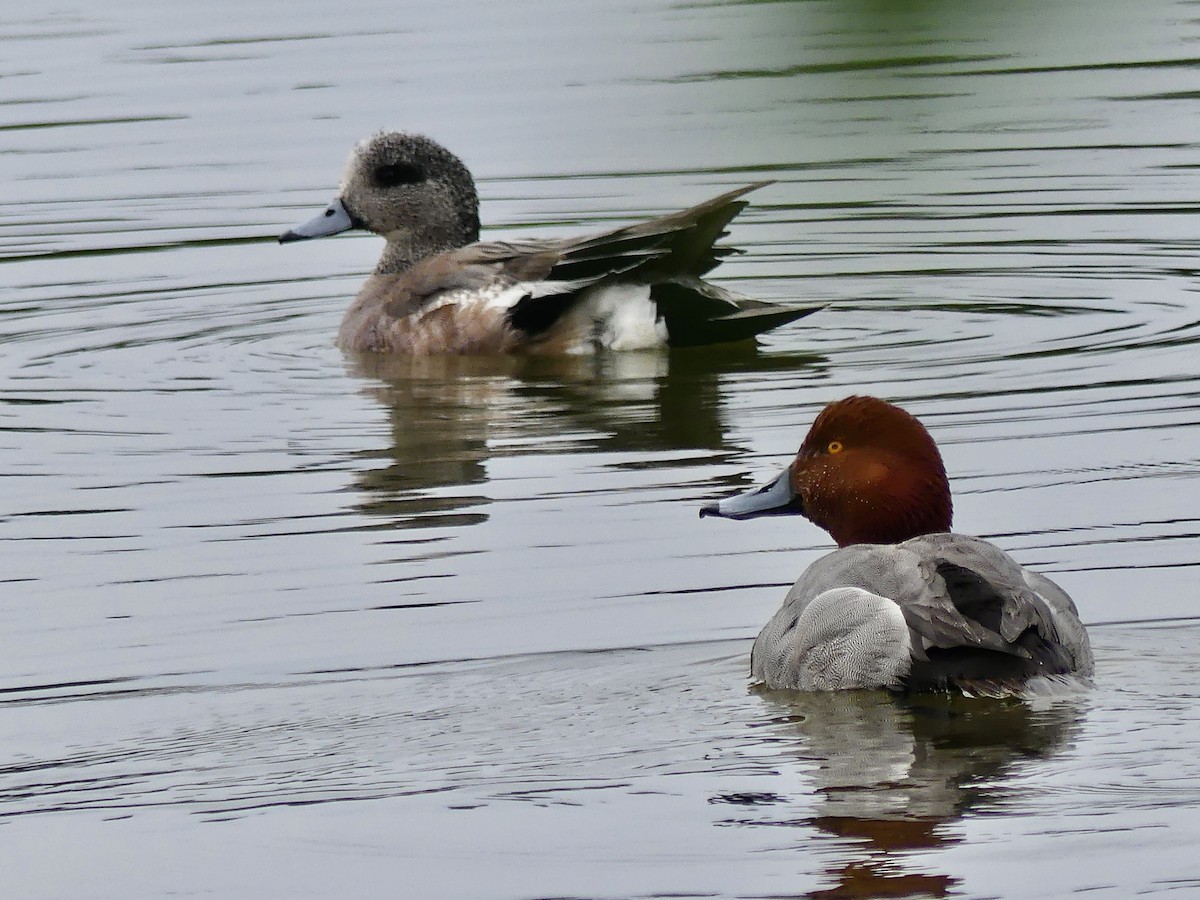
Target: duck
(904, 603)
(438, 289)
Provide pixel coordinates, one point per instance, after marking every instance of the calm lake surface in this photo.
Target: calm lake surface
(279, 623)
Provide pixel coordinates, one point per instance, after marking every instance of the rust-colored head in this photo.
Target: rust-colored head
(868, 473)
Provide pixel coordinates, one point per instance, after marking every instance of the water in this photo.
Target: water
(275, 622)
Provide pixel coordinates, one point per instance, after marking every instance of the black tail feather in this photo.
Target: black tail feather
(699, 313)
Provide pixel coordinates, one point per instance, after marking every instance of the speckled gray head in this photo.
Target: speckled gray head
(407, 188)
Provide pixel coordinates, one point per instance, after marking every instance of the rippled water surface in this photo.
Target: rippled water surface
(277, 622)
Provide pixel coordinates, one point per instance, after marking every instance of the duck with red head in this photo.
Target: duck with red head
(903, 603)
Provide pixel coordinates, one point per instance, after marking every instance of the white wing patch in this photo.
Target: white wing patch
(498, 296)
(624, 317)
(613, 316)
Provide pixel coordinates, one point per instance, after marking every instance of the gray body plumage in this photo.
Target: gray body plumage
(932, 611)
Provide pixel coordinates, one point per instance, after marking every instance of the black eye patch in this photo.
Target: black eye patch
(394, 174)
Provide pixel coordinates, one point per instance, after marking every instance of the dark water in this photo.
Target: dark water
(274, 622)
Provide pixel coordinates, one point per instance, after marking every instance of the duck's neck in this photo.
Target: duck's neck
(397, 258)
(928, 511)
(887, 501)
(405, 249)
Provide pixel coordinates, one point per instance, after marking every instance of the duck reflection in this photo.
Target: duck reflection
(450, 414)
(894, 773)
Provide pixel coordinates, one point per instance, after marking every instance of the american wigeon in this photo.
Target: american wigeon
(436, 290)
(904, 603)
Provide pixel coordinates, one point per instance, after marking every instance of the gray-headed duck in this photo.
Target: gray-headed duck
(436, 289)
(904, 603)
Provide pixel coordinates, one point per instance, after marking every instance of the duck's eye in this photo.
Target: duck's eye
(834, 447)
(394, 174)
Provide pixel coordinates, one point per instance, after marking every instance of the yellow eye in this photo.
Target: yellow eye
(834, 447)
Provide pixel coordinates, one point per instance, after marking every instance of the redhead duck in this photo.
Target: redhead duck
(437, 290)
(903, 603)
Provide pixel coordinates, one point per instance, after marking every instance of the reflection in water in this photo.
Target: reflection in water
(895, 772)
(450, 414)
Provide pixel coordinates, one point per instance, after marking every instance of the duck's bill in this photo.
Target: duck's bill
(334, 220)
(778, 498)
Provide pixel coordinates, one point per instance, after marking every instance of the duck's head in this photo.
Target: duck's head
(868, 473)
(408, 188)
